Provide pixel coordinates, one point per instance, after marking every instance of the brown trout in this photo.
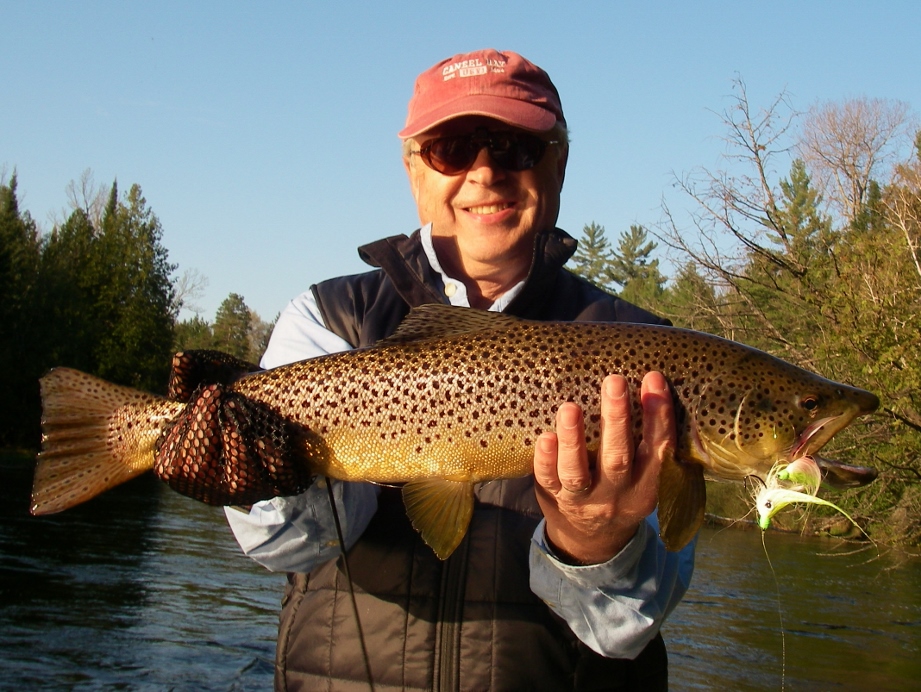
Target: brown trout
(458, 397)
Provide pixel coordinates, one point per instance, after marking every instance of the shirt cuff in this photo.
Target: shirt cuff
(619, 568)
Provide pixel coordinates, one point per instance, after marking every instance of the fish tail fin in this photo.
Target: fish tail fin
(95, 435)
(682, 502)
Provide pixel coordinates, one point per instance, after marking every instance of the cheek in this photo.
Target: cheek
(544, 201)
(433, 197)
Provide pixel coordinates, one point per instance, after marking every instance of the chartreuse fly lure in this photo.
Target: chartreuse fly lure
(793, 483)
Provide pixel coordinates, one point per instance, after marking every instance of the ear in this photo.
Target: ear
(412, 175)
(561, 166)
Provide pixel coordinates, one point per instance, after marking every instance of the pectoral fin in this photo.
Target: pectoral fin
(682, 501)
(440, 511)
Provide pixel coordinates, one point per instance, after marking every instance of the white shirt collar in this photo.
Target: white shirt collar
(455, 290)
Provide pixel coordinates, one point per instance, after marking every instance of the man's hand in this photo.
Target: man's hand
(592, 513)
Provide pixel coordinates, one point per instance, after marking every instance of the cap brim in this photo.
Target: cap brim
(528, 116)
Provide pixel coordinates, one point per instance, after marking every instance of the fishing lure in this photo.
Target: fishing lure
(787, 484)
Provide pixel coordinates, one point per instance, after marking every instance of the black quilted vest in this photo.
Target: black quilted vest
(470, 622)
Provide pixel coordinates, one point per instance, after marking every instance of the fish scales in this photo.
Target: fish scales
(459, 396)
(471, 406)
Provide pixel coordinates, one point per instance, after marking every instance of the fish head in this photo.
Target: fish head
(761, 411)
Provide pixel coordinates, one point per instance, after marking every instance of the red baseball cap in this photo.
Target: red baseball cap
(501, 85)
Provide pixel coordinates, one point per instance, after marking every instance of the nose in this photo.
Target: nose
(484, 170)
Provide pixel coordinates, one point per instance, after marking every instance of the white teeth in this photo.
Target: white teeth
(488, 209)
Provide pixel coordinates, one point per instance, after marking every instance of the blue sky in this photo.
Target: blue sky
(264, 134)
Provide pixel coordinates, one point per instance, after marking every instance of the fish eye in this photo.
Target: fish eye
(810, 403)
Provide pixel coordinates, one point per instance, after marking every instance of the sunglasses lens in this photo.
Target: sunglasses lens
(513, 151)
(517, 151)
(450, 155)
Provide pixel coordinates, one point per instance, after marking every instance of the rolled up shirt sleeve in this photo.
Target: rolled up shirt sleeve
(617, 607)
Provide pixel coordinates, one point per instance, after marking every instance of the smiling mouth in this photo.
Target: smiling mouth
(489, 208)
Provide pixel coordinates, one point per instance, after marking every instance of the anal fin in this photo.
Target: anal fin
(682, 502)
(440, 511)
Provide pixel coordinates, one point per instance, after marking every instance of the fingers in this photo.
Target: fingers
(562, 463)
(572, 467)
(561, 459)
(616, 453)
(659, 430)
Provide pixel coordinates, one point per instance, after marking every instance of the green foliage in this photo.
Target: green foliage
(691, 301)
(593, 258)
(837, 294)
(237, 330)
(642, 282)
(194, 333)
(629, 267)
(20, 249)
(133, 294)
(232, 327)
(91, 295)
(630, 261)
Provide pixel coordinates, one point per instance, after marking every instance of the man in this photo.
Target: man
(560, 584)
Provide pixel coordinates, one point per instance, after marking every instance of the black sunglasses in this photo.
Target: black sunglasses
(513, 151)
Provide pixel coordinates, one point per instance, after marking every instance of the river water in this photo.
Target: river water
(143, 589)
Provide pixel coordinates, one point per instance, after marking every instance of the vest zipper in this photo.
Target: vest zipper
(450, 617)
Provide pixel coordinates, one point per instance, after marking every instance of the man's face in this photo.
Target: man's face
(492, 214)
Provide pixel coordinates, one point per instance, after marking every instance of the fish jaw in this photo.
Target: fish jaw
(817, 434)
(839, 475)
(733, 451)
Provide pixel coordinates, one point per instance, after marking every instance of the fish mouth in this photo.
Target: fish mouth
(814, 437)
(834, 473)
(818, 433)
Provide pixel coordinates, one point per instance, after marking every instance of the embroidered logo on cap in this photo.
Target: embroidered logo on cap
(472, 68)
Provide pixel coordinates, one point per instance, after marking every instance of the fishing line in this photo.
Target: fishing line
(783, 638)
(348, 577)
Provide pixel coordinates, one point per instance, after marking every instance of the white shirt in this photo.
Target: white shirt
(615, 608)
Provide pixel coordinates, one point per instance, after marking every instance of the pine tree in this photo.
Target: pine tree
(132, 273)
(631, 267)
(233, 327)
(194, 333)
(593, 257)
(691, 302)
(19, 256)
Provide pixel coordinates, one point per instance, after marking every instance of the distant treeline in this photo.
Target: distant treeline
(96, 293)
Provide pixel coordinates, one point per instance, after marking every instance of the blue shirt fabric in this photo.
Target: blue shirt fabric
(615, 608)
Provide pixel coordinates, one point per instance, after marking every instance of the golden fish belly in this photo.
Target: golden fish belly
(358, 456)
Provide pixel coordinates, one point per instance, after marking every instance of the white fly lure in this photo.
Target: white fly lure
(787, 484)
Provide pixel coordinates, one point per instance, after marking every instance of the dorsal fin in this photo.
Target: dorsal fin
(436, 321)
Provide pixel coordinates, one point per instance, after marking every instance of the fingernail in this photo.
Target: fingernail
(656, 382)
(569, 416)
(615, 387)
